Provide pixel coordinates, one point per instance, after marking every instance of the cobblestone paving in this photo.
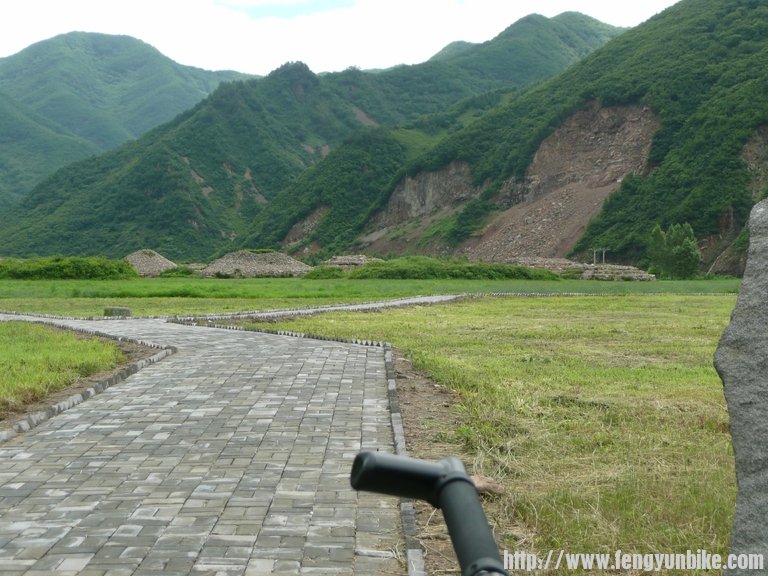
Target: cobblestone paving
(231, 457)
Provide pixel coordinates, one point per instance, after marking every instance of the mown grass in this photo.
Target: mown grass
(37, 360)
(170, 296)
(602, 415)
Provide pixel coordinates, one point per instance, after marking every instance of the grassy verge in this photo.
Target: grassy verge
(169, 296)
(38, 360)
(602, 416)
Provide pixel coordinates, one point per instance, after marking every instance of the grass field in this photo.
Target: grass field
(170, 296)
(36, 360)
(601, 415)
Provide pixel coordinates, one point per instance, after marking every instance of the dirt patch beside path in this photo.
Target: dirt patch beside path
(430, 420)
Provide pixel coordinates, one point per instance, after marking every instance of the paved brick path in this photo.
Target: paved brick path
(231, 456)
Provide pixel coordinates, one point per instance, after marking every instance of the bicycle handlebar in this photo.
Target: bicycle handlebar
(445, 485)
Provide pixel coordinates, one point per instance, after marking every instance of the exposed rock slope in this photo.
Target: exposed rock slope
(572, 173)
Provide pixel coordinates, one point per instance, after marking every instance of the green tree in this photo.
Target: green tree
(657, 250)
(674, 254)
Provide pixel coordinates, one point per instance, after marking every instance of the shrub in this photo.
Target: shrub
(177, 272)
(66, 268)
(674, 254)
(325, 273)
(422, 267)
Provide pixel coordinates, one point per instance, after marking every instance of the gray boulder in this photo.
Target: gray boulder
(742, 362)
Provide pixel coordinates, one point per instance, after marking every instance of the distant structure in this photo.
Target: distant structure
(247, 264)
(741, 362)
(581, 271)
(350, 262)
(149, 263)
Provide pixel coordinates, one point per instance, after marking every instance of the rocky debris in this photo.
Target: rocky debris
(594, 148)
(149, 262)
(306, 227)
(558, 265)
(547, 226)
(572, 173)
(583, 271)
(740, 360)
(117, 311)
(487, 485)
(615, 272)
(246, 264)
(350, 262)
(427, 192)
(544, 213)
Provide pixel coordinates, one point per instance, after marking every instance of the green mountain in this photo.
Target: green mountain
(88, 93)
(530, 50)
(200, 183)
(699, 66)
(188, 186)
(29, 143)
(573, 35)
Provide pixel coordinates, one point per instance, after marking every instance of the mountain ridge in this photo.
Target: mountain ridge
(697, 66)
(95, 91)
(29, 143)
(203, 176)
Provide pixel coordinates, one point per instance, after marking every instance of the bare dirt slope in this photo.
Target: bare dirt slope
(572, 173)
(547, 227)
(574, 170)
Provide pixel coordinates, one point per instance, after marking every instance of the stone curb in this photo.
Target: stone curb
(293, 312)
(35, 419)
(88, 318)
(414, 554)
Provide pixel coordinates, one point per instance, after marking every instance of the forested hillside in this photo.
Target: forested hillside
(696, 68)
(700, 67)
(81, 93)
(531, 50)
(277, 162)
(197, 184)
(28, 145)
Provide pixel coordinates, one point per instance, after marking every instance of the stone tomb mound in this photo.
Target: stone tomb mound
(149, 263)
(350, 262)
(247, 264)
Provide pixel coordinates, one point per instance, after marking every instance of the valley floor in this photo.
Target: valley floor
(590, 411)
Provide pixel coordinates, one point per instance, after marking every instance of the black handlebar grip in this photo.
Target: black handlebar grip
(467, 524)
(445, 485)
(396, 476)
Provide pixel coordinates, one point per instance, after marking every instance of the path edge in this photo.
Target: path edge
(36, 418)
(414, 554)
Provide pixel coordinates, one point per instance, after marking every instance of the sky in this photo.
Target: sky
(257, 36)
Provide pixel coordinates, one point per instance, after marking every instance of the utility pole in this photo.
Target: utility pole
(594, 254)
